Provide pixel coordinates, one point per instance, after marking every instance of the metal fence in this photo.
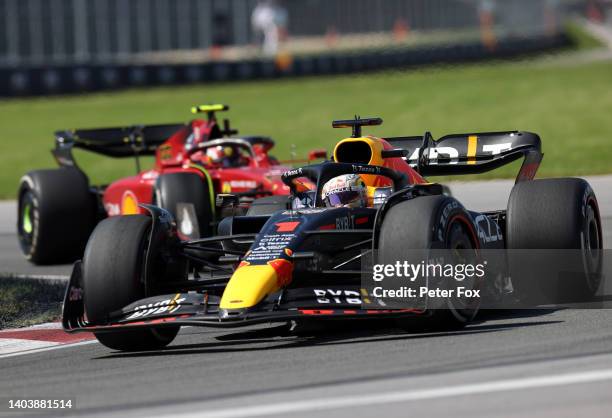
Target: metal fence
(60, 32)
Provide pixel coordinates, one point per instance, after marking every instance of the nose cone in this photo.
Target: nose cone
(250, 284)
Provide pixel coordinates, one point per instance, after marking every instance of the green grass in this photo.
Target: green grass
(569, 106)
(580, 38)
(29, 302)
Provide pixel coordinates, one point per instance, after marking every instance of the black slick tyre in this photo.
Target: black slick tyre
(421, 224)
(113, 269)
(56, 213)
(177, 193)
(555, 214)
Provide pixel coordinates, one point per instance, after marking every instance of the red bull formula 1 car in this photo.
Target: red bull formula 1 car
(298, 258)
(194, 162)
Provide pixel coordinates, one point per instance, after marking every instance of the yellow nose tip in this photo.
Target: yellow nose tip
(248, 286)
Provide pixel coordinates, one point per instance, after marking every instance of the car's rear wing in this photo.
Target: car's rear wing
(120, 141)
(471, 153)
(129, 141)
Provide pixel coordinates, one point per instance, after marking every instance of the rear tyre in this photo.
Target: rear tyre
(267, 205)
(556, 214)
(176, 189)
(56, 212)
(113, 269)
(421, 224)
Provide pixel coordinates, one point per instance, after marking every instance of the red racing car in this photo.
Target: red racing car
(194, 162)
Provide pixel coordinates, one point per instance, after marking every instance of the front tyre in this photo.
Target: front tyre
(424, 223)
(190, 200)
(113, 277)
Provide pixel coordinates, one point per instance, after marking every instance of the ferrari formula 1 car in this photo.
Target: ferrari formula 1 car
(298, 258)
(58, 208)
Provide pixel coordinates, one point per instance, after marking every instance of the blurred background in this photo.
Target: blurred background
(55, 46)
(288, 67)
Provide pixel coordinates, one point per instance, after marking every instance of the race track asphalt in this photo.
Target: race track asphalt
(522, 363)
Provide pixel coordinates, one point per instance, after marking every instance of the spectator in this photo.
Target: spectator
(269, 21)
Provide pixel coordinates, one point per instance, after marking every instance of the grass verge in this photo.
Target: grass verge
(28, 302)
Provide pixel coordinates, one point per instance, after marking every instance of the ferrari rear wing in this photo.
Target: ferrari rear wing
(117, 142)
(120, 141)
(471, 153)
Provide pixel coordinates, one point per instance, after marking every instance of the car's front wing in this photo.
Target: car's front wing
(202, 309)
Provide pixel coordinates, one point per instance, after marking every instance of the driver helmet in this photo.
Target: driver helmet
(220, 153)
(347, 190)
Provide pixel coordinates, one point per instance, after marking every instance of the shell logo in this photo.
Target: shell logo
(129, 204)
(226, 188)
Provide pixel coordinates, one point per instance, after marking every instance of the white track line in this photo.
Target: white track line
(319, 404)
(49, 348)
(22, 276)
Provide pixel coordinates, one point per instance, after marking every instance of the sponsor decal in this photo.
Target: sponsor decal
(226, 187)
(284, 271)
(243, 184)
(339, 296)
(112, 209)
(167, 306)
(452, 153)
(471, 149)
(150, 175)
(75, 294)
(186, 224)
(286, 226)
(496, 149)
(443, 152)
(129, 203)
(269, 247)
(444, 218)
(291, 173)
(304, 211)
(488, 230)
(371, 169)
(345, 222)
(435, 153)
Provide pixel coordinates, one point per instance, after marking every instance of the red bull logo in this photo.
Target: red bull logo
(284, 271)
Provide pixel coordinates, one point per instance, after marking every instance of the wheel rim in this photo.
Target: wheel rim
(26, 222)
(459, 242)
(592, 250)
